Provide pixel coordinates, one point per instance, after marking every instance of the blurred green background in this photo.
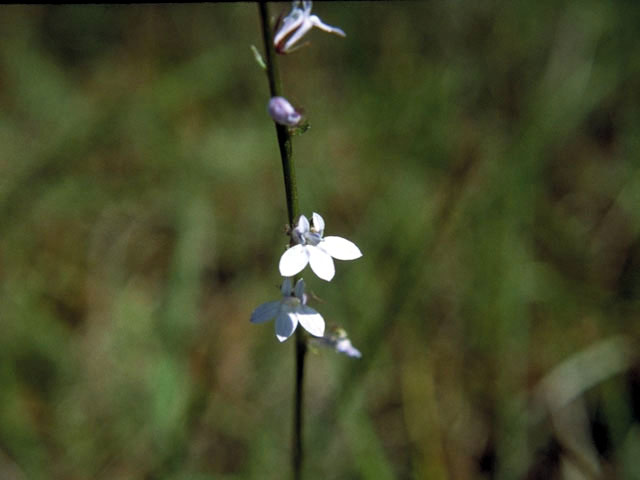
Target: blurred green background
(485, 157)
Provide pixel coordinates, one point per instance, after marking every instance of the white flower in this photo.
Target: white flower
(343, 345)
(297, 24)
(282, 112)
(315, 250)
(338, 340)
(290, 311)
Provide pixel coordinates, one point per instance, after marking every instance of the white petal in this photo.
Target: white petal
(315, 20)
(344, 346)
(286, 287)
(311, 320)
(286, 324)
(321, 263)
(303, 224)
(265, 312)
(304, 28)
(293, 260)
(318, 223)
(300, 289)
(289, 24)
(340, 248)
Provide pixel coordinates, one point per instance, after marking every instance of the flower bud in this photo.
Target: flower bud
(283, 112)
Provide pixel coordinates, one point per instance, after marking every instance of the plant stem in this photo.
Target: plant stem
(282, 131)
(296, 454)
(291, 191)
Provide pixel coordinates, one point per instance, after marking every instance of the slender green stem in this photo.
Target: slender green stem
(282, 132)
(291, 191)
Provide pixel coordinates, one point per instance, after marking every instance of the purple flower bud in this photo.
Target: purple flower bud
(283, 112)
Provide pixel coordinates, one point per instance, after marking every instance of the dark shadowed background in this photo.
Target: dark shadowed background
(485, 157)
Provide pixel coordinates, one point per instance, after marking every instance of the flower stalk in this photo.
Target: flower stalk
(307, 245)
(282, 131)
(291, 191)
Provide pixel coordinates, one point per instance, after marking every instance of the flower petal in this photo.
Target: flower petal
(289, 24)
(321, 263)
(304, 28)
(293, 260)
(286, 324)
(265, 312)
(318, 223)
(344, 346)
(340, 248)
(286, 287)
(303, 224)
(311, 320)
(300, 289)
(316, 22)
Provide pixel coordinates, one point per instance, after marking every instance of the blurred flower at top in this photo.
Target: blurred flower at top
(297, 24)
(315, 250)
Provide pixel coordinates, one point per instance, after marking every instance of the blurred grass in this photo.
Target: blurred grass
(484, 157)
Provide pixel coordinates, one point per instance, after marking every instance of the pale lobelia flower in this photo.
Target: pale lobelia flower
(315, 250)
(282, 112)
(343, 345)
(297, 24)
(338, 340)
(289, 311)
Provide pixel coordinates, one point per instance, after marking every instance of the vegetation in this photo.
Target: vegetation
(484, 156)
